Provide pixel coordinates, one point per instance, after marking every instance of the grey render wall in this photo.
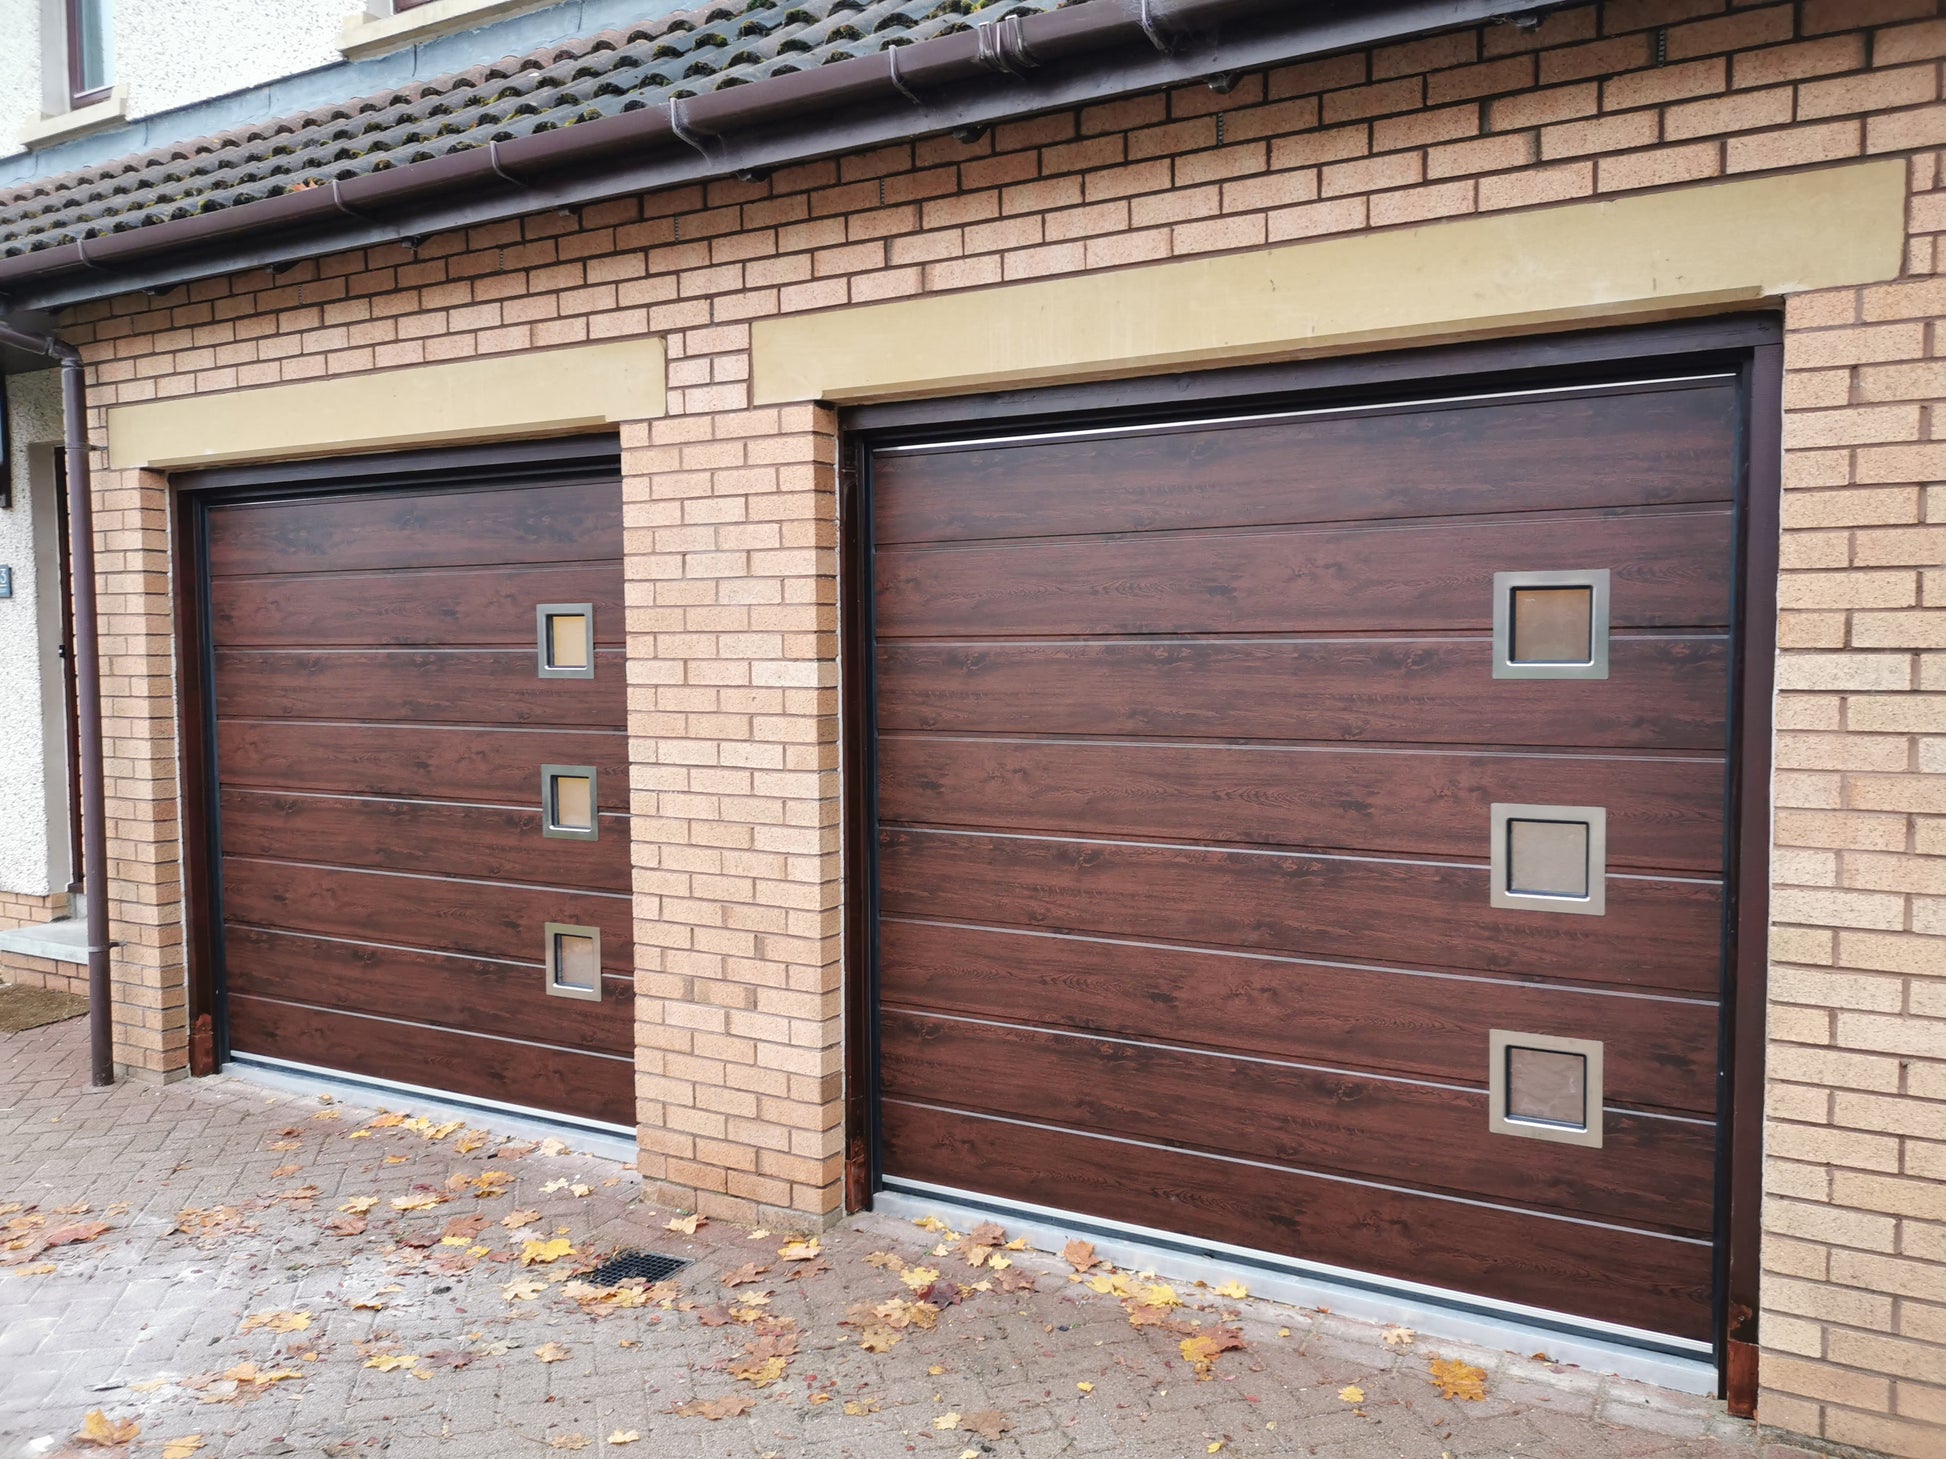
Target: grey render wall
(34, 852)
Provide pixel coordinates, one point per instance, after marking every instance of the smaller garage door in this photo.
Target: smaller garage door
(390, 886)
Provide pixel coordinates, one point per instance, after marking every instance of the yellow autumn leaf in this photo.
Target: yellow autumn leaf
(419, 1201)
(390, 1362)
(551, 1352)
(621, 1436)
(1398, 1337)
(359, 1205)
(523, 1290)
(860, 1407)
(514, 1220)
(918, 1277)
(1215, 1448)
(1085, 1387)
(1456, 1379)
(1232, 1289)
(946, 1421)
(545, 1251)
(98, 1428)
(931, 1223)
(800, 1250)
(1351, 1393)
(182, 1448)
(685, 1224)
(36, 1269)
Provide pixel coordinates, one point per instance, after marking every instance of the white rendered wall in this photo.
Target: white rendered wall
(33, 738)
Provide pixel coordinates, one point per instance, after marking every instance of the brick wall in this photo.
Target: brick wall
(731, 522)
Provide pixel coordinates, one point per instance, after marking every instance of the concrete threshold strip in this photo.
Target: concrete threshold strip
(587, 1137)
(1433, 1312)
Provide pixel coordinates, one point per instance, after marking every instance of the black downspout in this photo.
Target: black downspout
(87, 675)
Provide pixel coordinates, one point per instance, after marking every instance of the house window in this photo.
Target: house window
(89, 73)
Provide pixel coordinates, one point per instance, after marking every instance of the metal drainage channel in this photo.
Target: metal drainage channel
(627, 1265)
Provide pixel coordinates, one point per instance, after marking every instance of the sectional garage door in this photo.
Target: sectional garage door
(1239, 878)
(390, 884)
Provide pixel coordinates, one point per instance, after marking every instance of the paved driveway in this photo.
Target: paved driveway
(239, 1271)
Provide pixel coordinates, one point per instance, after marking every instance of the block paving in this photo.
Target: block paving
(141, 1322)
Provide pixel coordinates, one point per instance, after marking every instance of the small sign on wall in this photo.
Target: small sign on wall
(6, 582)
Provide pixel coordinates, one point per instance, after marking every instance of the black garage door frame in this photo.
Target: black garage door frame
(1748, 345)
(195, 494)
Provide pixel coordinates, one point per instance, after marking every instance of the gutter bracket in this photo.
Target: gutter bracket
(493, 161)
(898, 82)
(81, 252)
(1145, 17)
(338, 202)
(1003, 47)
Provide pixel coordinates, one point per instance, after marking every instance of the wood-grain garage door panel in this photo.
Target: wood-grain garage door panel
(1668, 571)
(1660, 1052)
(1649, 447)
(512, 1072)
(1661, 693)
(1654, 1172)
(441, 990)
(1638, 1278)
(468, 686)
(485, 919)
(1655, 934)
(490, 843)
(491, 528)
(498, 766)
(449, 607)
(1426, 804)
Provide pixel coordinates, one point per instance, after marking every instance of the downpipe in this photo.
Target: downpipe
(87, 689)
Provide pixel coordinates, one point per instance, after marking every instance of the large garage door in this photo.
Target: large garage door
(396, 901)
(1239, 878)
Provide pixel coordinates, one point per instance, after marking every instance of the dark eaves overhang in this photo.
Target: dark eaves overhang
(973, 79)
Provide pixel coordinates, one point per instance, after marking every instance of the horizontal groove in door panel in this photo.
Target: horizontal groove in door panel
(1668, 570)
(489, 843)
(1649, 1173)
(480, 688)
(1661, 693)
(1639, 1279)
(483, 1068)
(1658, 1054)
(1655, 934)
(1648, 447)
(497, 766)
(442, 991)
(1665, 814)
(359, 531)
(483, 919)
(466, 606)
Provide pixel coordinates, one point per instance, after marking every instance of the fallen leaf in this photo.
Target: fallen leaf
(100, 1430)
(1215, 1448)
(38, 1269)
(806, 1250)
(1351, 1393)
(1080, 1255)
(621, 1437)
(919, 1277)
(388, 1362)
(551, 1352)
(1085, 1387)
(384, 1121)
(988, 1423)
(760, 1372)
(859, 1407)
(278, 1174)
(878, 1339)
(73, 1234)
(258, 1378)
(346, 1225)
(1398, 1337)
(946, 1421)
(730, 1405)
(744, 1275)
(514, 1220)
(1232, 1289)
(685, 1224)
(523, 1290)
(545, 1251)
(182, 1448)
(419, 1201)
(568, 1441)
(1456, 1379)
(885, 1261)
(278, 1321)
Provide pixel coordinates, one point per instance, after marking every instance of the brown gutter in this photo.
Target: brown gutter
(1016, 67)
(87, 677)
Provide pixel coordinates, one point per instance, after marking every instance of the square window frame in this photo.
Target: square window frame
(544, 611)
(1505, 666)
(1499, 861)
(552, 829)
(555, 987)
(1500, 1041)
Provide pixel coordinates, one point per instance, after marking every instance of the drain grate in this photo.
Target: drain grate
(626, 1264)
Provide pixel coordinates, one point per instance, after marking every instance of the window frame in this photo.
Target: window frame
(78, 94)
